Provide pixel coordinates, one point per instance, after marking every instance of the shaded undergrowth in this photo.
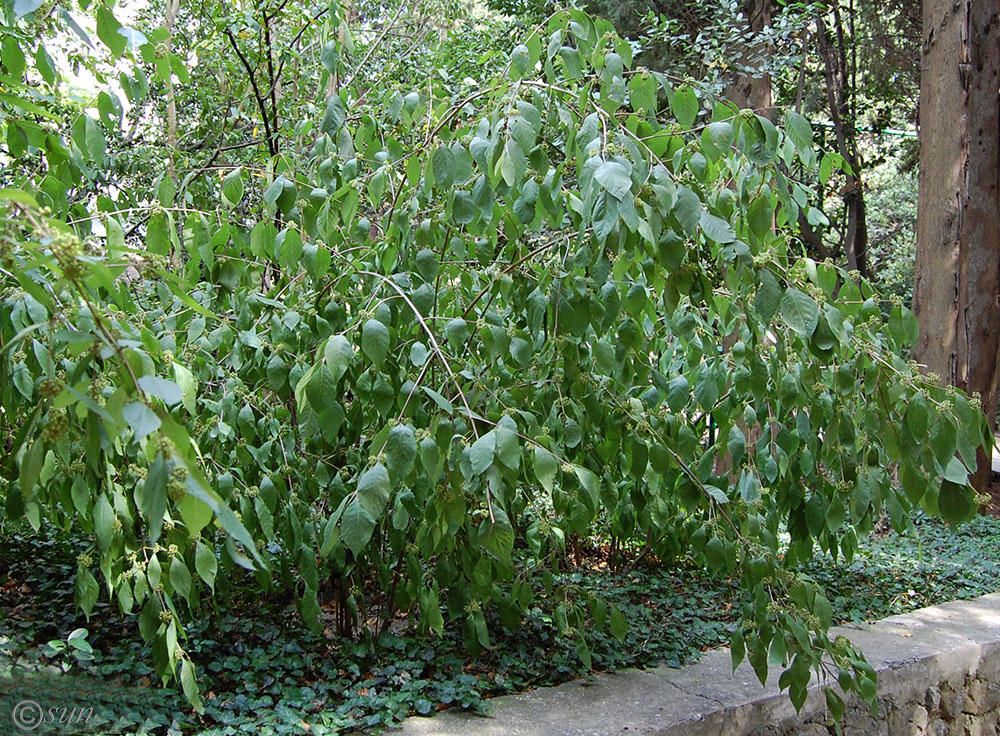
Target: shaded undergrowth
(262, 672)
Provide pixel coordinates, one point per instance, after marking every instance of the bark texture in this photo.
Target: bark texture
(754, 91)
(957, 279)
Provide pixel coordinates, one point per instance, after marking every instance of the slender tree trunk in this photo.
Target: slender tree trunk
(169, 16)
(957, 280)
(840, 93)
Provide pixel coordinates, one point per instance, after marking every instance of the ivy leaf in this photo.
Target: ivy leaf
(31, 468)
(800, 312)
(678, 393)
(590, 484)
(457, 331)
(375, 341)
(190, 685)
(687, 209)
(23, 7)
(618, 624)
(104, 517)
(642, 92)
(188, 386)
(511, 164)
(232, 187)
(721, 134)
(180, 578)
(154, 497)
(917, 417)
(87, 591)
(706, 390)
(497, 536)
(443, 167)
(799, 130)
(463, 209)
(956, 501)
(107, 30)
(605, 216)
(426, 263)
(330, 55)
(956, 472)
(508, 450)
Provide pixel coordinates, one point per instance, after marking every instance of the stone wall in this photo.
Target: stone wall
(939, 675)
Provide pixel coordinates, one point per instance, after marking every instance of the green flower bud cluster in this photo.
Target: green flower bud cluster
(66, 247)
(55, 428)
(51, 387)
(177, 484)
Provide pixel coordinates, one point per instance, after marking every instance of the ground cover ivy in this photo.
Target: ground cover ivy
(267, 671)
(408, 359)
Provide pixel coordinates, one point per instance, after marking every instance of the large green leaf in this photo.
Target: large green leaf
(373, 490)
(356, 526)
(799, 311)
(337, 356)
(615, 178)
(375, 340)
(685, 105)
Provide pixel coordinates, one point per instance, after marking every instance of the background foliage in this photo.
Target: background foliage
(393, 349)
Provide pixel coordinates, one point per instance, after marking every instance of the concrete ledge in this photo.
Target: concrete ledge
(939, 673)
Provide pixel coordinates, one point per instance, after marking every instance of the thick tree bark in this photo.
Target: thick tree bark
(957, 280)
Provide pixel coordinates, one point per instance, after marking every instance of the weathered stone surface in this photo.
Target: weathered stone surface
(939, 675)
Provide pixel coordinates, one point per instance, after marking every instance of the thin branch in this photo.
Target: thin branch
(261, 104)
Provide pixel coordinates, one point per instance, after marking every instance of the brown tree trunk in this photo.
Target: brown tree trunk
(957, 280)
(754, 90)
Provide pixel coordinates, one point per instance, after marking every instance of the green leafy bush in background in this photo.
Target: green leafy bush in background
(428, 340)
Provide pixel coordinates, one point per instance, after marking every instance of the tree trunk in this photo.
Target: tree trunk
(840, 92)
(957, 279)
(169, 16)
(754, 90)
